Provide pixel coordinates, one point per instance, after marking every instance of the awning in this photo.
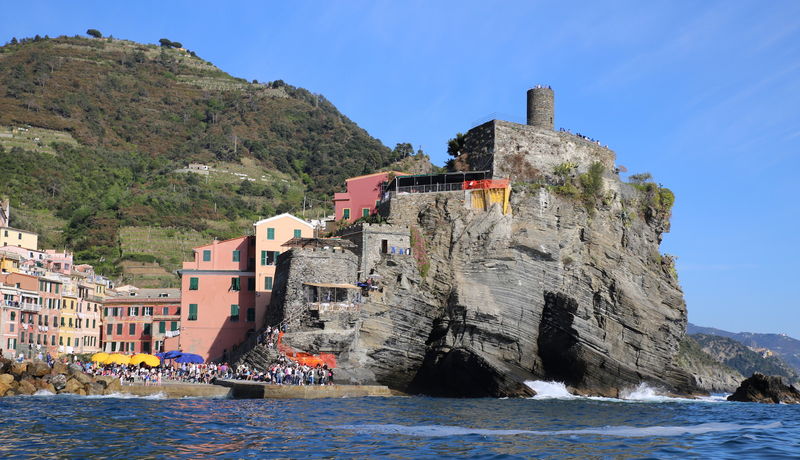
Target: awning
(333, 285)
(9, 292)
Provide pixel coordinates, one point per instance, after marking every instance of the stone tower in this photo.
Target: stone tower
(540, 107)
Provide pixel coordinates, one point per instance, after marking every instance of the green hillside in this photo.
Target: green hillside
(93, 133)
(736, 355)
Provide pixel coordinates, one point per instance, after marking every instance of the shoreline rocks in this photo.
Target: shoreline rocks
(766, 389)
(28, 377)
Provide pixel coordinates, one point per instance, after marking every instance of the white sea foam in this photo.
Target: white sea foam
(47, 394)
(549, 390)
(614, 431)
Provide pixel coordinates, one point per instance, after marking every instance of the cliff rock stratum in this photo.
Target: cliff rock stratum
(567, 284)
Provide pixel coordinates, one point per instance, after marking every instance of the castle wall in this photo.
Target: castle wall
(521, 152)
(298, 266)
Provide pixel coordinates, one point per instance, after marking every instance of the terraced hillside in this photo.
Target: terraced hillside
(97, 134)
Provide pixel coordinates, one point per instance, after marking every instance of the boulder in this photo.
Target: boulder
(73, 369)
(6, 378)
(112, 384)
(4, 387)
(38, 368)
(765, 389)
(26, 387)
(72, 386)
(58, 381)
(82, 378)
(59, 368)
(5, 365)
(94, 388)
(17, 369)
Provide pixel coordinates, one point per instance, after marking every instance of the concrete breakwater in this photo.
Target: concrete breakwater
(255, 390)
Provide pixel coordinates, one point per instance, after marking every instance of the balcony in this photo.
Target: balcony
(26, 306)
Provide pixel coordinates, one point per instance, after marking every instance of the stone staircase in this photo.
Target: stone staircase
(259, 357)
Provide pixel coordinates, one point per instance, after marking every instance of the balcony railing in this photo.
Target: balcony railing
(30, 306)
(325, 307)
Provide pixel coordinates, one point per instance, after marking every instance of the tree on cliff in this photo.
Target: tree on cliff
(455, 145)
(94, 33)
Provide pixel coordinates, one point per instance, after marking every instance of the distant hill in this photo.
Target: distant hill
(787, 348)
(709, 373)
(734, 354)
(94, 133)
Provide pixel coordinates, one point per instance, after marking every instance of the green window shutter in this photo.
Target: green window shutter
(109, 329)
(268, 283)
(251, 315)
(173, 326)
(193, 284)
(365, 212)
(297, 233)
(346, 213)
(234, 312)
(162, 326)
(206, 255)
(119, 328)
(270, 233)
(263, 258)
(132, 329)
(192, 312)
(146, 327)
(57, 287)
(235, 256)
(377, 203)
(251, 284)
(235, 283)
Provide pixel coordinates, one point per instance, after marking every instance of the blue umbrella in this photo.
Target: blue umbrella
(160, 355)
(171, 354)
(189, 358)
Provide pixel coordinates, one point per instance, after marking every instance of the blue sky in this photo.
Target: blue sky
(704, 95)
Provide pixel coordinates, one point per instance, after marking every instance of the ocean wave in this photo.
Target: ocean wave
(622, 431)
(549, 390)
(643, 393)
(48, 394)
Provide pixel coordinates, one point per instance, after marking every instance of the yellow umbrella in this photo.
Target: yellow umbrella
(100, 357)
(148, 359)
(117, 358)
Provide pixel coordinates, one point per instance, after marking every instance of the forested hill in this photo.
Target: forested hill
(92, 131)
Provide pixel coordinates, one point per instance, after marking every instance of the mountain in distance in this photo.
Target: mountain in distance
(96, 135)
(783, 346)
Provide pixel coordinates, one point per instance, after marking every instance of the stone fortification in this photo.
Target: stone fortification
(374, 240)
(298, 266)
(523, 152)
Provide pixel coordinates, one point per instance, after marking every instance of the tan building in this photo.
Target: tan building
(15, 237)
(270, 235)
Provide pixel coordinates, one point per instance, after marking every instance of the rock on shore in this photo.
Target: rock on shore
(766, 389)
(27, 378)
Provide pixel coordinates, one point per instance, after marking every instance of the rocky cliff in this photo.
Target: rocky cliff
(709, 374)
(568, 288)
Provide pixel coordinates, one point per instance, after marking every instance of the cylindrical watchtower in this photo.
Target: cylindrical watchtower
(541, 107)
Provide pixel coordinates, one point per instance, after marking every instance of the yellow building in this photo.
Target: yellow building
(67, 330)
(16, 237)
(9, 262)
(270, 234)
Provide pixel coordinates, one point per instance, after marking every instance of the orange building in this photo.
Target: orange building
(270, 235)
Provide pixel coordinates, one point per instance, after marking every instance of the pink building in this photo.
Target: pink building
(218, 298)
(60, 262)
(140, 320)
(362, 196)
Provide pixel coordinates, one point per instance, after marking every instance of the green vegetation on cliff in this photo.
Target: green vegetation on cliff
(134, 114)
(736, 355)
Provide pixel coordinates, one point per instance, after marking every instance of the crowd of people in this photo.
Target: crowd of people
(586, 138)
(286, 372)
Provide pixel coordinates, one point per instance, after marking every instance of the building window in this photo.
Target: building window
(268, 283)
(109, 329)
(119, 329)
(364, 212)
(377, 203)
(236, 256)
(269, 257)
(69, 341)
(270, 233)
(251, 315)
(62, 321)
(162, 327)
(192, 312)
(146, 328)
(113, 346)
(147, 311)
(132, 329)
(251, 284)
(193, 283)
(165, 311)
(61, 340)
(173, 326)
(234, 312)
(57, 288)
(235, 286)
(346, 213)
(298, 233)
(206, 255)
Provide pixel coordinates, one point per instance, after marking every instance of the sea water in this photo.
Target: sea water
(555, 423)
